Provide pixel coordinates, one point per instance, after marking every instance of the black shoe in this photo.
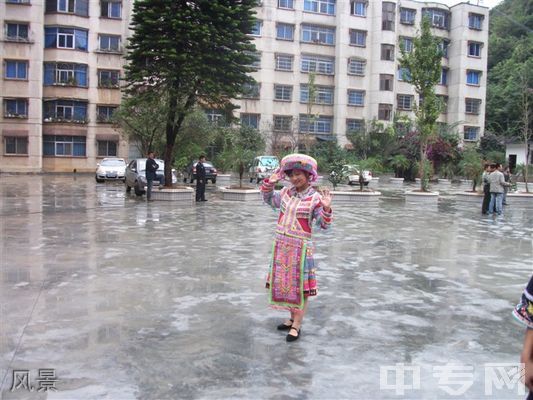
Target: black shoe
(283, 327)
(291, 338)
(203, 200)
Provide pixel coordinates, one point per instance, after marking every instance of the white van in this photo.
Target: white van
(262, 167)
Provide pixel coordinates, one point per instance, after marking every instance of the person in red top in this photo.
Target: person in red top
(291, 279)
(523, 312)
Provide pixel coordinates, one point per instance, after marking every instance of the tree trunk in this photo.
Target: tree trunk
(171, 130)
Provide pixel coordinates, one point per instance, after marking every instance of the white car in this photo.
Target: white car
(262, 167)
(352, 171)
(110, 169)
(136, 175)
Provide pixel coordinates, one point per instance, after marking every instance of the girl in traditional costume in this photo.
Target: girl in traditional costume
(523, 312)
(292, 270)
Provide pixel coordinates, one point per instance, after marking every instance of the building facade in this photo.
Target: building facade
(62, 61)
(352, 50)
(61, 66)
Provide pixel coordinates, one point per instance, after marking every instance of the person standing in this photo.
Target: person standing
(200, 179)
(291, 278)
(497, 183)
(523, 312)
(486, 189)
(507, 177)
(151, 167)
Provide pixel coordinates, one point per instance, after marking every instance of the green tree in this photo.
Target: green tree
(471, 166)
(141, 121)
(241, 145)
(424, 66)
(337, 173)
(189, 52)
(399, 163)
(510, 49)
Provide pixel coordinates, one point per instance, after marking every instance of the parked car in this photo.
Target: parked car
(262, 167)
(111, 169)
(136, 175)
(190, 172)
(352, 171)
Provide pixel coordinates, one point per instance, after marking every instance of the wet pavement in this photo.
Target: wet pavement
(119, 299)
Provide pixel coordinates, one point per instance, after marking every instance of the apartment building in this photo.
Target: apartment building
(61, 65)
(352, 47)
(62, 61)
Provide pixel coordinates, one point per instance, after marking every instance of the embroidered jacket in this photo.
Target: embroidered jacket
(297, 210)
(524, 310)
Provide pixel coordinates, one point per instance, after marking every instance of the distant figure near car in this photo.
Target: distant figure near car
(200, 179)
(151, 168)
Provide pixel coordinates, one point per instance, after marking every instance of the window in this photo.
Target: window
(65, 111)
(78, 7)
(214, 116)
(65, 38)
(109, 43)
(404, 74)
(474, 49)
(473, 77)
(318, 34)
(444, 77)
(472, 106)
(14, 69)
(320, 6)
(286, 4)
(108, 78)
(251, 90)
(385, 81)
(111, 9)
(443, 47)
(64, 146)
(358, 8)
(107, 148)
(283, 92)
(15, 145)
(251, 120)
(18, 1)
(256, 59)
(356, 66)
(406, 43)
(475, 21)
(256, 28)
(387, 52)
(323, 94)
(105, 113)
(407, 16)
(385, 112)
(358, 38)
(388, 16)
(284, 31)
(356, 97)
(282, 123)
(17, 32)
(405, 102)
(471, 132)
(65, 74)
(320, 124)
(444, 102)
(355, 125)
(320, 65)
(284, 62)
(438, 18)
(15, 108)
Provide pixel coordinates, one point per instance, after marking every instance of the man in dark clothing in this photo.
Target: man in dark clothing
(151, 167)
(486, 189)
(200, 179)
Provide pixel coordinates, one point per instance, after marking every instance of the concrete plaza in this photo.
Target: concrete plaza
(119, 299)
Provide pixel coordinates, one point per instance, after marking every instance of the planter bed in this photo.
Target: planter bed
(353, 196)
(520, 199)
(183, 194)
(243, 194)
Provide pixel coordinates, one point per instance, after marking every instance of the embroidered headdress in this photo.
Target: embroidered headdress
(302, 162)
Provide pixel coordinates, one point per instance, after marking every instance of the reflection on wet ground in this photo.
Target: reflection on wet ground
(124, 299)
